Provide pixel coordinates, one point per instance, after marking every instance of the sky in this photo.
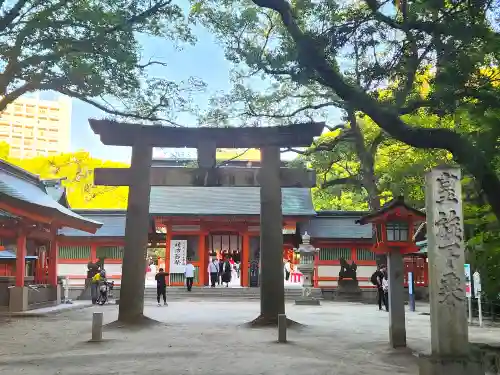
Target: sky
(204, 60)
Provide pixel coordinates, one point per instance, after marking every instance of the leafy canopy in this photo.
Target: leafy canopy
(90, 50)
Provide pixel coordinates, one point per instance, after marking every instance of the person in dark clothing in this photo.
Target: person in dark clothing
(376, 280)
(226, 273)
(161, 286)
(221, 272)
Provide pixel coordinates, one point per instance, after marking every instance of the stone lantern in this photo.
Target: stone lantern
(306, 253)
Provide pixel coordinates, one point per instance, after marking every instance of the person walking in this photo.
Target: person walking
(376, 280)
(288, 270)
(213, 270)
(189, 274)
(226, 273)
(221, 270)
(161, 286)
(385, 288)
(94, 287)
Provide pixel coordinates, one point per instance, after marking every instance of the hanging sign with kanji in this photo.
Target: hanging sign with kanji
(178, 253)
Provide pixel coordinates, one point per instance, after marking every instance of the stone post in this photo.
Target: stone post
(397, 321)
(445, 235)
(131, 305)
(272, 288)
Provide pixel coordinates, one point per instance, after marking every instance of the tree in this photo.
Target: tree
(308, 48)
(76, 169)
(89, 50)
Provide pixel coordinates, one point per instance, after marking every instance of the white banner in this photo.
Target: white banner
(178, 254)
(477, 284)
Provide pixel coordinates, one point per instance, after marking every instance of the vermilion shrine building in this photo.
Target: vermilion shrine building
(32, 212)
(35, 218)
(227, 218)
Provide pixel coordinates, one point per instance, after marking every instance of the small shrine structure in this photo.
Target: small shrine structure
(393, 228)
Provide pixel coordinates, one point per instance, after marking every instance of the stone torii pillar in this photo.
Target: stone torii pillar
(140, 177)
(131, 305)
(272, 288)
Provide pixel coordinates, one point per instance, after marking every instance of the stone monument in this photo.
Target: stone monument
(451, 352)
(306, 267)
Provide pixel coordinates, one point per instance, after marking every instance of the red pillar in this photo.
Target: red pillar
(245, 260)
(20, 259)
(203, 256)
(93, 253)
(53, 259)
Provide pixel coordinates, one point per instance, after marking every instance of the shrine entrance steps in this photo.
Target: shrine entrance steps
(223, 293)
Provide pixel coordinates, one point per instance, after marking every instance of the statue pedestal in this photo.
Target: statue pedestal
(85, 295)
(348, 290)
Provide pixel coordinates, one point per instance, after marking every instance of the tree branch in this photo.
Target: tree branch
(253, 113)
(311, 57)
(341, 181)
(115, 112)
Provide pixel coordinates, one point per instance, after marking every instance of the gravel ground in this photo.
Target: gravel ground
(208, 337)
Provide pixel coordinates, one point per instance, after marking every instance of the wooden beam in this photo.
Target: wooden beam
(225, 176)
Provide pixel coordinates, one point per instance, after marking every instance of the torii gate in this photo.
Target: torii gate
(141, 176)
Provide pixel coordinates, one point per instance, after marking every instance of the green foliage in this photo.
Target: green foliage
(411, 67)
(90, 50)
(77, 169)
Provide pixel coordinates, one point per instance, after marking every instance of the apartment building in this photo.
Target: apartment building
(33, 127)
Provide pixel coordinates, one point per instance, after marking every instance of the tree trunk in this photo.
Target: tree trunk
(131, 305)
(272, 288)
(367, 163)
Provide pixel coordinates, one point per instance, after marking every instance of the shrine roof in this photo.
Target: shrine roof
(113, 223)
(388, 208)
(198, 201)
(126, 134)
(337, 225)
(189, 200)
(57, 191)
(26, 192)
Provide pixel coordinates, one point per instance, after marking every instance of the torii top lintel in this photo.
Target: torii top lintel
(114, 133)
(395, 209)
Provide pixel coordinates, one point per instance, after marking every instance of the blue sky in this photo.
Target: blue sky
(204, 60)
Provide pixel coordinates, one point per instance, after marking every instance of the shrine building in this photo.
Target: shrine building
(216, 221)
(32, 211)
(38, 230)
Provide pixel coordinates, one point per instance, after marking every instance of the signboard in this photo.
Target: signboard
(467, 281)
(410, 282)
(477, 284)
(178, 254)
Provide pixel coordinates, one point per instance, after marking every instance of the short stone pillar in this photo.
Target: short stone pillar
(451, 352)
(282, 328)
(97, 319)
(306, 267)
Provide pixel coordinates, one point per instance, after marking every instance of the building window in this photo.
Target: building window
(334, 253)
(397, 232)
(109, 252)
(74, 252)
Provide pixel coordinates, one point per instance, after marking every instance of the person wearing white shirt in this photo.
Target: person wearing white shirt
(189, 274)
(213, 270)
